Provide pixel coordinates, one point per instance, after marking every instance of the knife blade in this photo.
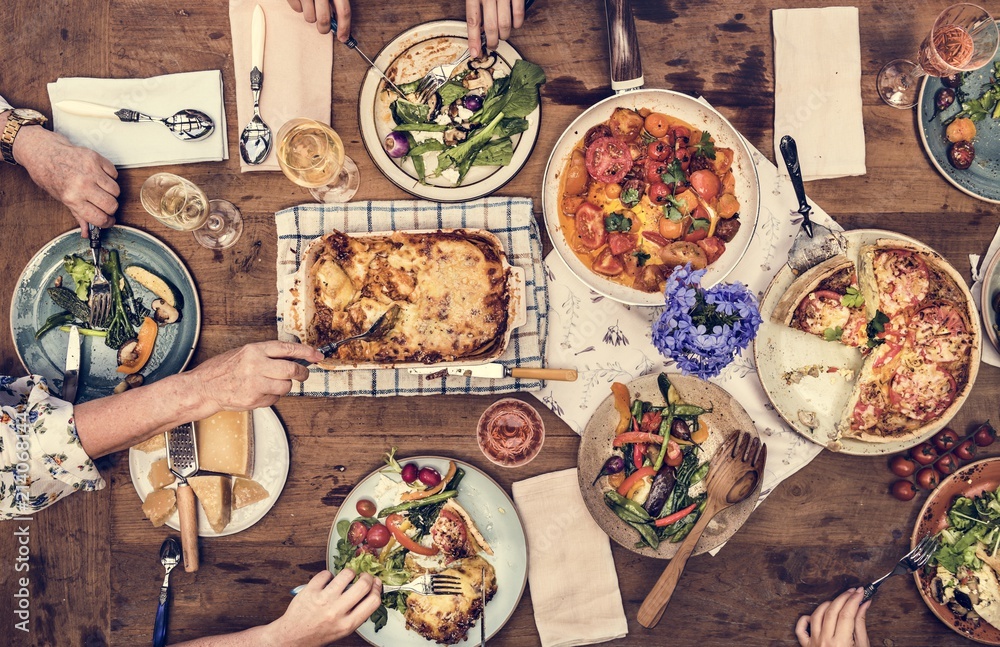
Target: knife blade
(182, 460)
(496, 370)
(353, 44)
(71, 376)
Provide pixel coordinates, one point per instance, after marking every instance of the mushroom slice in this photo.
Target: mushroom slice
(129, 352)
(478, 79)
(484, 62)
(434, 106)
(453, 136)
(164, 313)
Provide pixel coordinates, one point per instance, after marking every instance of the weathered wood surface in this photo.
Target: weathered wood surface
(95, 572)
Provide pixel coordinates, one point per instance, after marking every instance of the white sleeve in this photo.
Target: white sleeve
(4, 105)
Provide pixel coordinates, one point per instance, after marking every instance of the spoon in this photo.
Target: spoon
(734, 474)
(255, 142)
(170, 556)
(378, 330)
(186, 125)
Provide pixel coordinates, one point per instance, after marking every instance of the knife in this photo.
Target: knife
(182, 459)
(71, 377)
(353, 44)
(496, 370)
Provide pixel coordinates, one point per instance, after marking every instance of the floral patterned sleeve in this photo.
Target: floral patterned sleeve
(41, 458)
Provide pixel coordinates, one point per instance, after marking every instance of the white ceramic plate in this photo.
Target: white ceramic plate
(406, 58)
(990, 286)
(498, 520)
(779, 349)
(270, 470)
(698, 115)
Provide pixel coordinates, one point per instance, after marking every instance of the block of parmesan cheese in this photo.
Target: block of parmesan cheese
(152, 444)
(225, 443)
(215, 493)
(246, 492)
(159, 505)
(160, 475)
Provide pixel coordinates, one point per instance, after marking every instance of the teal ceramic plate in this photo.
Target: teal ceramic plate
(982, 179)
(31, 306)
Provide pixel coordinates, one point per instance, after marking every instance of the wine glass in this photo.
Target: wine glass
(312, 155)
(963, 38)
(179, 204)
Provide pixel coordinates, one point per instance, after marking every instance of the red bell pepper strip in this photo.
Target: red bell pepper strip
(392, 523)
(638, 454)
(636, 476)
(637, 437)
(675, 517)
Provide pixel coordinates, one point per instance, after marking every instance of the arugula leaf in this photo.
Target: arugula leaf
(674, 174)
(451, 91)
(496, 153)
(833, 334)
(405, 112)
(874, 327)
(853, 298)
(617, 222)
(700, 223)
(640, 257)
(630, 197)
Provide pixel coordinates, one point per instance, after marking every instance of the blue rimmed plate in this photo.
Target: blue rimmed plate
(30, 306)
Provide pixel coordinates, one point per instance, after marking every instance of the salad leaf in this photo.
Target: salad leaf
(379, 617)
(496, 153)
(82, 274)
(405, 112)
(421, 128)
(451, 91)
(469, 148)
(512, 126)
(426, 146)
(368, 563)
(409, 88)
(518, 99)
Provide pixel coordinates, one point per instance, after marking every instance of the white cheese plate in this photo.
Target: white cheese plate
(271, 462)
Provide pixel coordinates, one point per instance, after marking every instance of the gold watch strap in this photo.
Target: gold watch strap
(7, 138)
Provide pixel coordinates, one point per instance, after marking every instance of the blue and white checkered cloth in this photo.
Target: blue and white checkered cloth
(511, 219)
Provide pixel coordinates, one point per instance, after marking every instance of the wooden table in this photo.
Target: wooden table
(94, 568)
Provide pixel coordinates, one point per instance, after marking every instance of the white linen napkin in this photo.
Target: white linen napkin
(133, 145)
(979, 264)
(573, 584)
(817, 89)
(298, 67)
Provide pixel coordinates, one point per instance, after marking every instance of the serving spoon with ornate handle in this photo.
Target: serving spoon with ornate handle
(186, 125)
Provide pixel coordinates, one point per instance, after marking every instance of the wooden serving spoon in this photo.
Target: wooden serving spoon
(735, 470)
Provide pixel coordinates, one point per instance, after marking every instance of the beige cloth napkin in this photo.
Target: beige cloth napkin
(133, 145)
(574, 586)
(817, 89)
(298, 70)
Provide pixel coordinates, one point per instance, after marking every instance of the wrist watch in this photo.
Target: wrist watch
(15, 119)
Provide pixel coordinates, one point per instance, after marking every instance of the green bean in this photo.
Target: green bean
(699, 474)
(407, 505)
(689, 410)
(629, 504)
(648, 535)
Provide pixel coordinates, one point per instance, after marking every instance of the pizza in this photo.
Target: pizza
(910, 315)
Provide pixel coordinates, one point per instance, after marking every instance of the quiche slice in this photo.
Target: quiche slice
(827, 302)
(446, 619)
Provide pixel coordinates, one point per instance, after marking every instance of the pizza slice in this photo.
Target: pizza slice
(895, 278)
(827, 302)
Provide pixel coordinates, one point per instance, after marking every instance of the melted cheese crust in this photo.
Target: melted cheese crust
(451, 287)
(447, 619)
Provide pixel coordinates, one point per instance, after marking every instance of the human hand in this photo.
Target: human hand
(836, 623)
(495, 18)
(252, 376)
(324, 611)
(78, 177)
(319, 12)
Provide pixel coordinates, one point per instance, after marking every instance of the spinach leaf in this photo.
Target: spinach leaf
(511, 126)
(451, 91)
(380, 617)
(520, 97)
(468, 148)
(496, 153)
(405, 112)
(425, 146)
(421, 128)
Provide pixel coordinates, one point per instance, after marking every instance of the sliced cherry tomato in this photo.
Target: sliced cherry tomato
(366, 508)
(356, 533)
(658, 192)
(620, 243)
(378, 536)
(985, 435)
(590, 226)
(924, 453)
(706, 184)
(608, 160)
(966, 450)
(404, 540)
(654, 170)
(945, 440)
(902, 466)
(927, 478)
(723, 160)
(657, 124)
(713, 248)
(595, 133)
(608, 264)
(660, 151)
(946, 464)
(626, 124)
(903, 490)
(696, 235)
(679, 253)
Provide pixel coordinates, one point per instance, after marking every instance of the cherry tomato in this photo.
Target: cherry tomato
(681, 135)
(966, 450)
(946, 464)
(595, 133)
(671, 229)
(409, 473)
(608, 160)
(590, 226)
(713, 248)
(945, 440)
(654, 170)
(696, 235)
(903, 490)
(927, 478)
(429, 476)
(683, 155)
(612, 190)
(356, 533)
(660, 151)
(378, 536)
(366, 508)
(924, 453)
(620, 243)
(961, 154)
(658, 193)
(706, 184)
(656, 124)
(902, 466)
(985, 435)
(608, 264)
(626, 124)
(679, 253)
(723, 161)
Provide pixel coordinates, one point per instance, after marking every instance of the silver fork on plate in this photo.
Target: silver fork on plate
(100, 288)
(426, 584)
(910, 562)
(482, 618)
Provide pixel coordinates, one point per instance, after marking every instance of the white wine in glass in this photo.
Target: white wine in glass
(179, 204)
(311, 154)
(964, 38)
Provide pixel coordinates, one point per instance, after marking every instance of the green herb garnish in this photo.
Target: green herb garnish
(617, 222)
(853, 298)
(833, 334)
(706, 146)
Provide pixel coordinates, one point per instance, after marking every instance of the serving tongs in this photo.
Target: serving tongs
(182, 460)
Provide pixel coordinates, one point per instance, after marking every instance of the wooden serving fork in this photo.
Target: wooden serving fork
(735, 470)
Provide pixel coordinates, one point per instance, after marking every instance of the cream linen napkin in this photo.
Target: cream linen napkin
(817, 89)
(298, 70)
(979, 265)
(574, 586)
(132, 145)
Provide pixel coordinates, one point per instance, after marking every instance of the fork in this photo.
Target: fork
(910, 562)
(100, 288)
(482, 618)
(426, 584)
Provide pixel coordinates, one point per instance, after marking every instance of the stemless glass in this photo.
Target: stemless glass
(312, 155)
(179, 204)
(963, 38)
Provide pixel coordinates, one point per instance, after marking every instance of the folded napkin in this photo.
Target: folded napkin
(298, 69)
(817, 89)
(979, 265)
(573, 584)
(610, 342)
(132, 145)
(510, 219)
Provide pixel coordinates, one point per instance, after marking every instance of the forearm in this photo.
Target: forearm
(117, 422)
(255, 637)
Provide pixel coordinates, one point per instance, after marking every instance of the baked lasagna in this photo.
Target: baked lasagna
(452, 288)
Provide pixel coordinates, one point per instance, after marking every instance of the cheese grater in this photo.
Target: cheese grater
(182, 459)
